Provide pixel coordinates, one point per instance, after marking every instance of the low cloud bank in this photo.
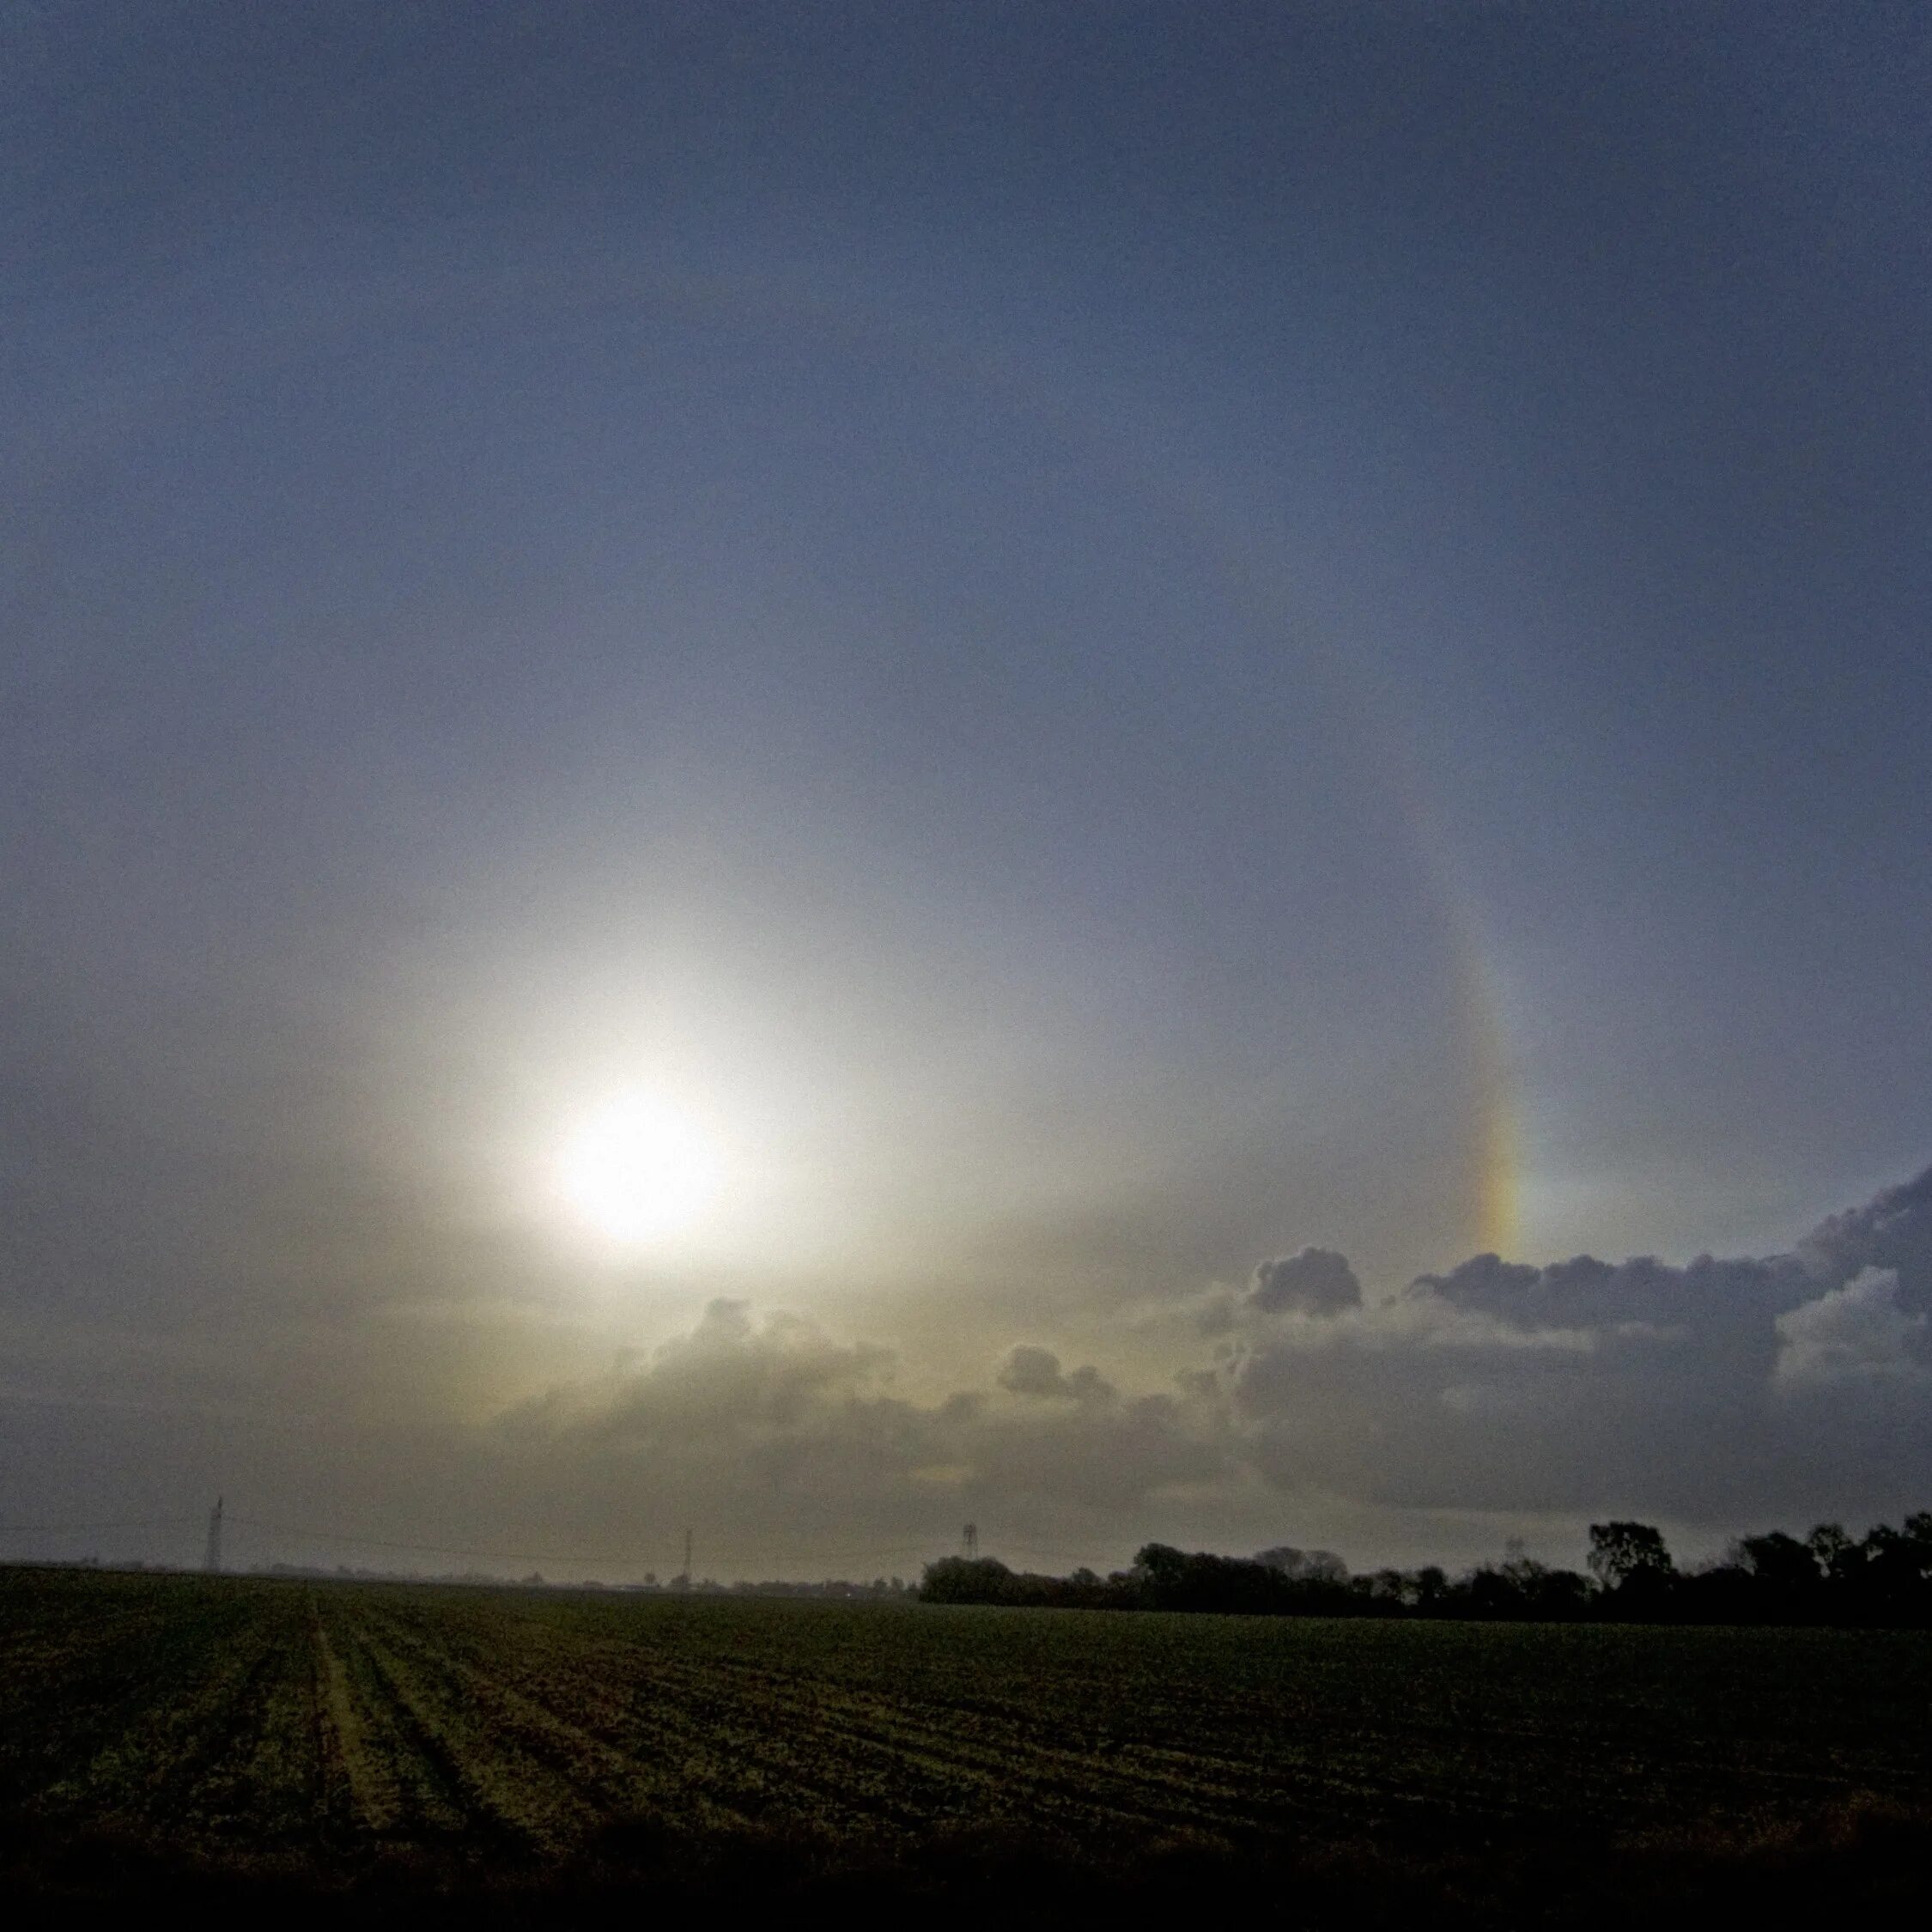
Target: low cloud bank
(777, 1406)
(1721, 1392)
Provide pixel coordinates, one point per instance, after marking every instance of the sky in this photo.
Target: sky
(1144, 676)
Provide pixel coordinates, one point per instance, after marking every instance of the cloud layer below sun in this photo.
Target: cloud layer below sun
(1723, 1392)
(1299, 1405)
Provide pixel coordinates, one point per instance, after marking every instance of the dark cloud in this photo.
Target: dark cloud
(1891, 1230)
(1722, 1388)
(748, 1409)
(1035, 1371)
(776, 1405)
(1585, 1292)
(1317, 1281)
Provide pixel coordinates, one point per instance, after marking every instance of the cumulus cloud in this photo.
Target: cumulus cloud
(730, 1378)
(762, 1408)
(1317, 1281)
(1892, 1230)
(1589, 1384)
(1585, 1293)
(1729, 1392)
(1035, 1371)
(1853, 1332)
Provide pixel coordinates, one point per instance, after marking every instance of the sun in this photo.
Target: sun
(639, 1170)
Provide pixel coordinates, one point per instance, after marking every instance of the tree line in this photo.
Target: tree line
(1828, 1577)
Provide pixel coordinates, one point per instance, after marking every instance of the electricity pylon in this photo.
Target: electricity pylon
(211, 1561)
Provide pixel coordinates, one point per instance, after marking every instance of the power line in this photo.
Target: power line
(869, 1552)
(849, 1553)
(430, 1549)
(312, 1535)
(86, 1529)
(525, 1556)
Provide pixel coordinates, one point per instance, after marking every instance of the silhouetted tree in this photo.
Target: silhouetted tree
(1627, 1553)
(1895, 1574)
(1885, 1578)
(1779, 1561)
(1317, 1566)
(1388, 1589)
(1518, 1587)
(1838, 1557)
(966, 1579)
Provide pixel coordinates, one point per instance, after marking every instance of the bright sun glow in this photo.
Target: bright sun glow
(641, 1170)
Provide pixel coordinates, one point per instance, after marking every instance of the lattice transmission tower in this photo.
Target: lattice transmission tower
(211, 1560)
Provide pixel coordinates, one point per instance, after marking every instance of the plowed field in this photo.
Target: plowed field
(289, 1728)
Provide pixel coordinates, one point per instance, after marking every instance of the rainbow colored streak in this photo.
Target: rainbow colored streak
(1245, 561)
(1496, 1148)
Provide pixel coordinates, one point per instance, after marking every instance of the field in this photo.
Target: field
(438, 1744)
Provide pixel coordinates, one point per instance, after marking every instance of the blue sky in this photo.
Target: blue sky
(1104, 640)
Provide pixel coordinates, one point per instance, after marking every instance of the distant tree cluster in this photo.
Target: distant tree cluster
(839, 1588)
(1829, 1577)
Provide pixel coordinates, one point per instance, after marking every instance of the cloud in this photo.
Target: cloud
(1036, 1372)
(1892, 1230)
(1728, 1392)
(758, 1409)
(1317, 1281)
(1853, 1332)
(740, 1406)
(1586, 1293)
(1713, 1390)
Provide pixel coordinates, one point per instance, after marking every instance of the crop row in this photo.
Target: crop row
(334, 1722)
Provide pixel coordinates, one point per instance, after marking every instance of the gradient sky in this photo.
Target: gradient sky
(1107, 641)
